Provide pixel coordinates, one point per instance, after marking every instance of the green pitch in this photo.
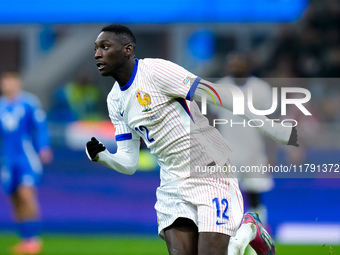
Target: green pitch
(100, 245)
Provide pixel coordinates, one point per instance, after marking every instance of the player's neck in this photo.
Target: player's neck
(12, 96)
(240, 81)
(125, 72)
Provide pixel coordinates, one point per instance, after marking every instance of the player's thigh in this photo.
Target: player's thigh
(170, 206)
(213, 243)
(24, 186)
(29, 178)
(181, 237)
(26, 194)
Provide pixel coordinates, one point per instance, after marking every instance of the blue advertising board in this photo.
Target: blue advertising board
(149, 11)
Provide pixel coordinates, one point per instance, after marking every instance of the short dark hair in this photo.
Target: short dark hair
(123, 33)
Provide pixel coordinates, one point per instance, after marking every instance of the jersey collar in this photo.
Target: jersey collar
(132, 78)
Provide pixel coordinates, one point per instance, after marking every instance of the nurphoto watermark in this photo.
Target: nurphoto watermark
(242, 104)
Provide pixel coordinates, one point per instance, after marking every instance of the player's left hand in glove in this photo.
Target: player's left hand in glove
(293, 138)
(93, 147)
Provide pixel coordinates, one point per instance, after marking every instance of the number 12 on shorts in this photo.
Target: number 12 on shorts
(219, 205)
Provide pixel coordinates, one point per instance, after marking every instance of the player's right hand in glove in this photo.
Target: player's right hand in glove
(293, 138)
(93, 147)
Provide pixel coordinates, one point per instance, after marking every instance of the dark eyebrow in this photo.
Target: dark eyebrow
(102, 41)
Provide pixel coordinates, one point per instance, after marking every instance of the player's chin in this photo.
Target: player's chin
(104, 72)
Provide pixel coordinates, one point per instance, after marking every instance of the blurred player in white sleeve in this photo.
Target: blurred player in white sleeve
(250, 146)
(198, 211)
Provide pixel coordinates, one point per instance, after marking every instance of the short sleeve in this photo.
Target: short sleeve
(173, 80)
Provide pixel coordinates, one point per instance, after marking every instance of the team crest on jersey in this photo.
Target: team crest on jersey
(186, 80)
(144, 99)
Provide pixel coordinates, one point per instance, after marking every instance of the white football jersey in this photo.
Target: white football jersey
(155, 105)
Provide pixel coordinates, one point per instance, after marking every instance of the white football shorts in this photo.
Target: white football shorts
(213, 204)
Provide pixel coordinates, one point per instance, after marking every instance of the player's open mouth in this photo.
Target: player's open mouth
(100, 66)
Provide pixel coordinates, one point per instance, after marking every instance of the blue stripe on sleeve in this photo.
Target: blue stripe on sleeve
(192, 90)
(123, 137)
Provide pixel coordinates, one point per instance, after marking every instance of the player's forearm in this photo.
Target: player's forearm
(121, 163)
(226, 99)
(125, 160)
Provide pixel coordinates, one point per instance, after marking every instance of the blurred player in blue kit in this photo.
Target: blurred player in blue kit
(25, 146)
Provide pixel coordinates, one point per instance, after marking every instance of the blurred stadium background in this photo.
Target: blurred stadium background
(51, 44)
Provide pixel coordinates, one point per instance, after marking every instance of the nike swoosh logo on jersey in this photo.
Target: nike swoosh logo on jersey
(220, 223)
(122, 113)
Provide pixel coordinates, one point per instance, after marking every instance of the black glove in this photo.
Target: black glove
(93, 147)
(293, 138)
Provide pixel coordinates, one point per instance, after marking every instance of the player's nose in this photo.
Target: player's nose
(98, 54)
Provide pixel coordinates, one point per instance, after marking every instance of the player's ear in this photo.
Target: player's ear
(129, 50)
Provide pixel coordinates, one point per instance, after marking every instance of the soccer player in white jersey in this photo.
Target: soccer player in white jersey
(199, 212)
